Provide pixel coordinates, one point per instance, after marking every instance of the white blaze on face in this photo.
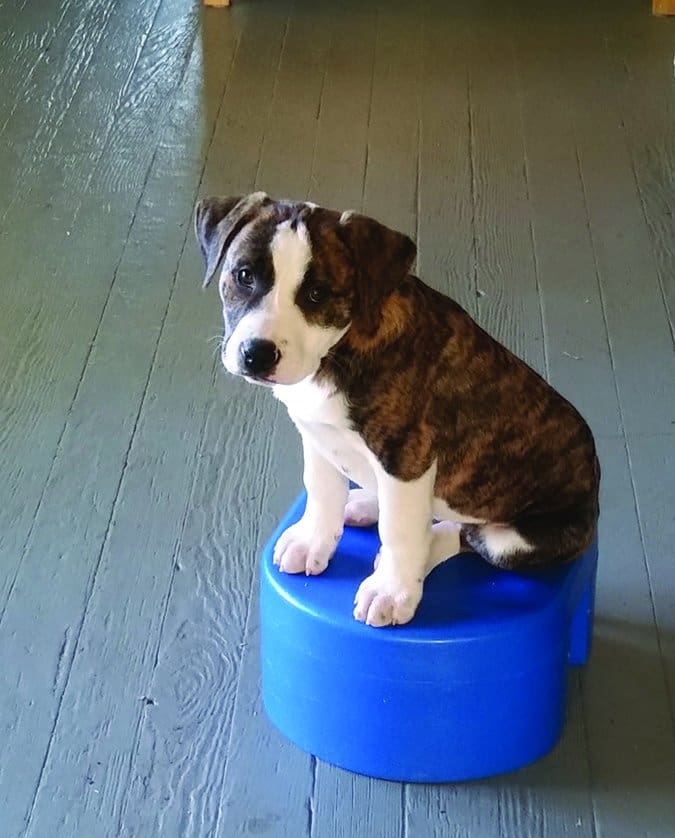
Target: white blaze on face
(279, 319)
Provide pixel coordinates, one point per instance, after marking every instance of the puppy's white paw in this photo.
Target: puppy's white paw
(386, 598)
(305, 548)
(361, 509)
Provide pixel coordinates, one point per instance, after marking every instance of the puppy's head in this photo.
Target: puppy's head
(293, 279)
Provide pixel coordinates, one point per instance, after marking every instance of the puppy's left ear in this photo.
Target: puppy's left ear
(383, 258)
(217, 222)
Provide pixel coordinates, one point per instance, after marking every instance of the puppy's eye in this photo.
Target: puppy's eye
(317, 294)
(244, 278)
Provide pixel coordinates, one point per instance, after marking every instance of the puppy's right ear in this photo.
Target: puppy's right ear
(217, 222)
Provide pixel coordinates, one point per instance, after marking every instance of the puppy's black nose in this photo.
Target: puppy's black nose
(259, 357)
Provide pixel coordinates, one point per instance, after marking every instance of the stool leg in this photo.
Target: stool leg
(581, 627)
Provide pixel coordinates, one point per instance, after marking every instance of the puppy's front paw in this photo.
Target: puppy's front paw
(305, 548)
(385, 598)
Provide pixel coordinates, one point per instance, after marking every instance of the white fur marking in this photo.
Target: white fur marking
(503, 542)
(279, 319)
(321, 414)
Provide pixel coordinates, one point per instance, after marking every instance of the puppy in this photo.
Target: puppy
(455, 442)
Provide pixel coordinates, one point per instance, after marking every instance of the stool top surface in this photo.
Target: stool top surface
(465, 598)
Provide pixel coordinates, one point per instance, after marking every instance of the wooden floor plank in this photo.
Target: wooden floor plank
(508, 296)
(579, 359)
(46, 327)
(53, 109)
(651, 456)
(632, 299)
(642, 361)
(48, 61)
(26, 37)
(339, 155)
(641, 53)
(446, 228)
(390, 191)
(65, 537)
(628, 717)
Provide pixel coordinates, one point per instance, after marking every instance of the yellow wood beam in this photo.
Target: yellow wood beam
(663, 7)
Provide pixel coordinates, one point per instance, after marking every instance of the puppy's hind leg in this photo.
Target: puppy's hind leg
(445, 543)
(361, 509)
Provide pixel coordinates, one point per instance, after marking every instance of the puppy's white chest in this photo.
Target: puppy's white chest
(321, 415)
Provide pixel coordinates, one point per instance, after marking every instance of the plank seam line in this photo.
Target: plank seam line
(311, 796)
(533, 237)
(472, 171)
(99, 557)
(587, 751)
(273, 97)
(319, 106)
(366, 157)
(418, 138)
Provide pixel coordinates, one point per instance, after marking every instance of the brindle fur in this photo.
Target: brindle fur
(428, 383)
(424, 382)
(509, 448)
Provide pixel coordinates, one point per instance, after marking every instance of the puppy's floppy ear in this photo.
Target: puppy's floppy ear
(217, 222)
(383, 258)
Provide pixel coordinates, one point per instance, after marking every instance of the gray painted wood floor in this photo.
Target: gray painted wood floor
(529, 147)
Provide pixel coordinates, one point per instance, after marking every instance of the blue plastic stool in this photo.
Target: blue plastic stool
(473, 686)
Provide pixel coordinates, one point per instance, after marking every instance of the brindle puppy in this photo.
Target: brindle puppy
(453, 439)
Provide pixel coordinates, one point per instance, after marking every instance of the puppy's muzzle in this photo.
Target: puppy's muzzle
(258, 357)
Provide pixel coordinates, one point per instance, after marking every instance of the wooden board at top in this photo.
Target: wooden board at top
(663, 7)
